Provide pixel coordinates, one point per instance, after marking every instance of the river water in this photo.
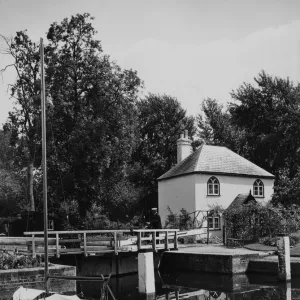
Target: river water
(187, 285)
(196, 286)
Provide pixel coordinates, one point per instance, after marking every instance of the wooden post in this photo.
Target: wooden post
(284, 260)
(154, 241)
(44, 160)
(166, 241)
(146, 274)
(115, 243)
(84, 244)
(139, 241)
(33, 246)
(207, 238)
(175, 241)
(57, 245)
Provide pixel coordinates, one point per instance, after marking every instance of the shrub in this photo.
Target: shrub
(15, 261)
(254, 221)
(187, 240)
(183, 221)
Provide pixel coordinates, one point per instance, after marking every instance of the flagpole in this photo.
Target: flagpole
(44, 162)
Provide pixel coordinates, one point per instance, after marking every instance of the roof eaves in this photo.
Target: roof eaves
(238, 174)
(217, 173)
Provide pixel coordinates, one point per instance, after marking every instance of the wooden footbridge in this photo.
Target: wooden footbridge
(95, 242)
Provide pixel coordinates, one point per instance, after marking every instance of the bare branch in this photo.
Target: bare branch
(3, 70)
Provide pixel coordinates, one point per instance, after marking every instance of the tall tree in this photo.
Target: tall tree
(161, 120)
(11, 183)
(269, 113)
(215, 127)
(93, 117)
(23, 121)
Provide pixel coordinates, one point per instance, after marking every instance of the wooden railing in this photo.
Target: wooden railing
(91, 241)
(169, 234)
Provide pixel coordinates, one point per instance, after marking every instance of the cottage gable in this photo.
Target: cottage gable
(241, 199)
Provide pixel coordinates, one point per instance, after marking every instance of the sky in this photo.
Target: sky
(188, 49)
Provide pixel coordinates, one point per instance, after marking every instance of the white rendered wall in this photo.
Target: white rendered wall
(230, 187)
(190, 192)
(177, 193)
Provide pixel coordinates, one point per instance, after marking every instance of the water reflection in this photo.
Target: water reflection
(192, 286)
(195, 286)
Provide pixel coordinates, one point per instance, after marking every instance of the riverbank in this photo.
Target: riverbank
(11, 279)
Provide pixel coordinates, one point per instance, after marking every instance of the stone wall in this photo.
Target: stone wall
(11, 280)
(225, 264)
(121, 264)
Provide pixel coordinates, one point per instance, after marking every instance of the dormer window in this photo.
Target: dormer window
(213, 186)
(258, 188)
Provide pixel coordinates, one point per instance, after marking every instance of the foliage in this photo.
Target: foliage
(23, 122)
(15, 261)
(253, 221)
(269, 114)
(215, 209)
(287, 189)
(161, 119)
(92, 119)
(183, 220)
(11, 183)
(262, 124)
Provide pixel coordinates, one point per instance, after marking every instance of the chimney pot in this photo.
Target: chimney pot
(186, 134)
(184, 148)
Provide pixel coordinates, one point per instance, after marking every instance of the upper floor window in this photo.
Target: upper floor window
(213, 186)
(258, 188)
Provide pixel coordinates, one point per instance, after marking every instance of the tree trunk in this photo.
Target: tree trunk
(30, 185)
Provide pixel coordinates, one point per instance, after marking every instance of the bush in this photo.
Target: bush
(187, 240)
(254, 222)
(14, 261)
(294, 240)
(183, 221)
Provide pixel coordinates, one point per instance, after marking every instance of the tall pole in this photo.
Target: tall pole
(43, 106)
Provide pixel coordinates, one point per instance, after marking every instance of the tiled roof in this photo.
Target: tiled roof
(216, 160)
(239, 200)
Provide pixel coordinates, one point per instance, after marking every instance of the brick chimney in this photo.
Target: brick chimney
(184, 148)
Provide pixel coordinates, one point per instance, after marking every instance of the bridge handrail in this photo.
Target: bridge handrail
(155, 230)
(76, 231)
(98, 231)
(169, 234)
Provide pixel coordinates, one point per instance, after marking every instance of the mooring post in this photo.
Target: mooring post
(146, 274)
(285, 291)
(166, 241)
(33, 247)
(139, 241)
(284, 259)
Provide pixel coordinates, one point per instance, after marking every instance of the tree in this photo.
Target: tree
(92, 120)
(269, 115)
(91, 117)
(23, 121)
(161, 120)
(215, 127)
(11, 184)
(263, 125)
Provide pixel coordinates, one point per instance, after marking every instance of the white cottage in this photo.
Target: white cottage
(212, 175)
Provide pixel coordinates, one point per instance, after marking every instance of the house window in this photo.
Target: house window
(213, 186)
(258, 188)
(214, 222)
